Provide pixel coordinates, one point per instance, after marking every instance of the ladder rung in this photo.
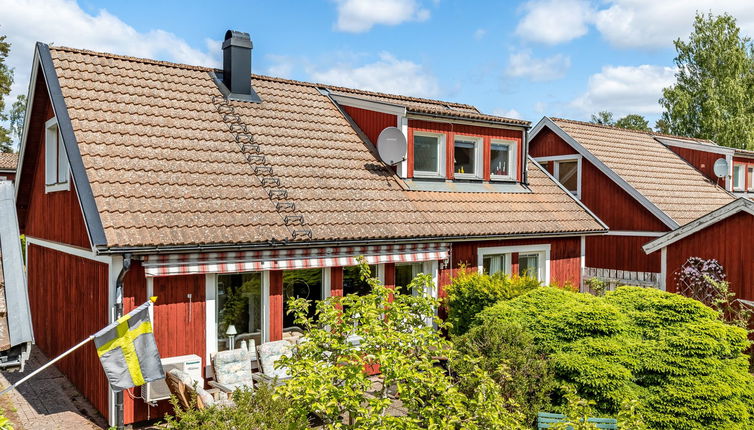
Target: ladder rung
(270, 181)
(278, 194)
(245, 139)
(220, 100)
(285, 206)
(238, 128)
(232, 117)
(256, 159)
(294, 220)
(302, 232)
(225, 108)
(263, 170)
(249, 147)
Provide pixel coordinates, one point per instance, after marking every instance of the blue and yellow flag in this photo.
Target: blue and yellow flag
(128, 350)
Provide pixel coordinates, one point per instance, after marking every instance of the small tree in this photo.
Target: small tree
(603, 118)
(351, 335)
(633, 122)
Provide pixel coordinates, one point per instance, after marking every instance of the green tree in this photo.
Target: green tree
(16, 118)
(662, 126)
(603, 118)
(6, 80)
(633, 122)
(711, 98)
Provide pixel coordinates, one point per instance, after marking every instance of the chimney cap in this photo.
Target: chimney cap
(237, 38)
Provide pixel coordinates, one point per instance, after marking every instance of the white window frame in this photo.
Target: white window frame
(512, 160)
(543, 250)
(441, 148)
(478, 152)
(750, 172)
(506, 262)
(556, 159)
(55, 151)
(742, 176)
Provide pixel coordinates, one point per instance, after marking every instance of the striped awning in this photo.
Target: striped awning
(289, 259)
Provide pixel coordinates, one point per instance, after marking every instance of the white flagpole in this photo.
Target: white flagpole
(48, 364)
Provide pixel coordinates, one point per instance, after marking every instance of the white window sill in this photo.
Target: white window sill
(428, 175)
(466, 176)
(502, 178)
(51, 188)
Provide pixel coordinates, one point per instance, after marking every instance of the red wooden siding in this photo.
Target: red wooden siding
(336, 281)
(68, 296)
(53, 216)
(370, 122)
(546, 143)
(11, 176)
(276, 305)
(731, 242)
(621, 253)
(134, 294)
(450, 130)
(390, 277)
(702, 161)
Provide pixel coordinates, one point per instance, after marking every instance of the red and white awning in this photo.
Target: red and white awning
(290, 259)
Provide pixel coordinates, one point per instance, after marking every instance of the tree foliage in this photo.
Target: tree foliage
(6, 80)
(603, 118)
(16, 118)
(633, 122)
(711, 98)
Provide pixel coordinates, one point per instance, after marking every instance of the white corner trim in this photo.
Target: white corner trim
(372, 105)
(265, 306)
(663, 269)
(547, 122)
(496, 250)
(583, 253)
(739, 205)
(210, 312)
(402, 124)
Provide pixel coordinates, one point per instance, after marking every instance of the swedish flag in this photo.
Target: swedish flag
(128, 351)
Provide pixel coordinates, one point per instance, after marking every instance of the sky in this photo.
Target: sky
(521, 59)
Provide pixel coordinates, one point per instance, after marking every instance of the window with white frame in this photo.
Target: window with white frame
(405, 273)
(429, 158)
(467, 157)
(301, 283)
(738, 177)
(750, 171)
(56, 161)
(239, 309)
(502, 160)
(533, 261)
(566, 170)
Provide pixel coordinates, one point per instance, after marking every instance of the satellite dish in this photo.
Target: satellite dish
(721, 167)
(391, 145)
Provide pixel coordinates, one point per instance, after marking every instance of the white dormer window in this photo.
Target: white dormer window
(467, 157)
(429, 155)
(502, 160)
(738, 177)
(56, 160)
(566, 169)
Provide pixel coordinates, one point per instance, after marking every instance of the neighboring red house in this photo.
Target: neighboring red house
(8, 161)
(631, 181)
(271, 194)
(726, 235)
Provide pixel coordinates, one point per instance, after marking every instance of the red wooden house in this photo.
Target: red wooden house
(633, 181)
(8, 162)
(248, 201)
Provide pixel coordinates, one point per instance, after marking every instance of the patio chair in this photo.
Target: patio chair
(184, 389)
(546, 420)
(269, 353)
(233, 369)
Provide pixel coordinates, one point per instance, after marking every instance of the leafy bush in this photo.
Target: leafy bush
(506, 351)
(685, 367)
(260, 409)
(471, 292)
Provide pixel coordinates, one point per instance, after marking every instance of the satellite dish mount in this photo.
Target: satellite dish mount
(391, 146)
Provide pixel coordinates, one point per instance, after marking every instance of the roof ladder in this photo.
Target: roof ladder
(261, 168)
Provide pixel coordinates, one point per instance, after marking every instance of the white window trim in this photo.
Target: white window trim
(210, 317)
(742, 185)
(441, 149)
(556, 159)
(543, 249)
(750, 173)
(57, 185)
(512, 160)
(478, 157)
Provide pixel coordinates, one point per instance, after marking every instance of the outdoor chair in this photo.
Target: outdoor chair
(233, 369)
(269, 353)
(546, 420)
(184, 389)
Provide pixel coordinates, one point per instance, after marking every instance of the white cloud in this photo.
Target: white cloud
(652, 23)
(554, 21)
(281, 66)
(625, 89)
(507, 113)
(388, 74)
(480, 33)
(358, 16)
(63, 22)
(522, 65)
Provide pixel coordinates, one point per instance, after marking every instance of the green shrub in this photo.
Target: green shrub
(260, 409)
(506, 351)
(684, 367)
(471, 292)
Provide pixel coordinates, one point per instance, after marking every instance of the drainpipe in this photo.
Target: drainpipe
(118, 314)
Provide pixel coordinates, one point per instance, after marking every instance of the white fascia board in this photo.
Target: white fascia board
(736, 206)
(657, 212)
(695, 145)
(636, 233)
(388, 108)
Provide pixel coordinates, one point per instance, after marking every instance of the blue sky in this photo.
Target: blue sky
(526, 59)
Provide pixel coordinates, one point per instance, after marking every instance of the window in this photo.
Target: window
(494, 263)
(502, 160)
(429, 160)
(239, 303)
(305, 283)
(352, 282)
(529, 265)
(738, 177)
(751, 179)
(524, 260)
(566, 169)
(56, 161)
(406, 272)
(466, 157)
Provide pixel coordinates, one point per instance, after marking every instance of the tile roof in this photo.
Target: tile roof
(8, 160)
(164, 169)
(664, 178)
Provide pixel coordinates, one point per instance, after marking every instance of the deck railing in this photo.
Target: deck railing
(615, 278)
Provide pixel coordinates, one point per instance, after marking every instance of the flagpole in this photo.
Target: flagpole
(48, 364)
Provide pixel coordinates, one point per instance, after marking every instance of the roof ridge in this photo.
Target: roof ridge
(128, 58)
(402, 97)
(651, 133)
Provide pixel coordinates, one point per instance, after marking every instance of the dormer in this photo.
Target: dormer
(451, 146)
